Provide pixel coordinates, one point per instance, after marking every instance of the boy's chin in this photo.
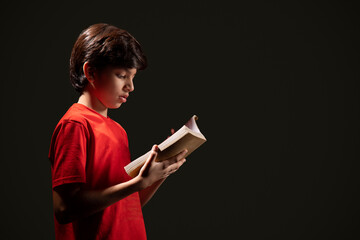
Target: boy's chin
(115, 106)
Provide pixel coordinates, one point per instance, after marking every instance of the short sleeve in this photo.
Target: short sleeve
(69, 150)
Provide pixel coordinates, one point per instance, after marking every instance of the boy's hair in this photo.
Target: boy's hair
(103, 45)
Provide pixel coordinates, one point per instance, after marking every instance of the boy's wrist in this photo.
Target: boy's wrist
(138, 183)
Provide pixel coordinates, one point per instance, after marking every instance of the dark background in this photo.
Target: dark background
(275, 85)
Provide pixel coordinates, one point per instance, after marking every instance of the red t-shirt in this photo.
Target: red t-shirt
(88, 148)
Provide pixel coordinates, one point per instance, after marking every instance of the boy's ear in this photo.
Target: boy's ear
(88, 71)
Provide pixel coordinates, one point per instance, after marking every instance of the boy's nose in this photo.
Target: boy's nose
(130, 86)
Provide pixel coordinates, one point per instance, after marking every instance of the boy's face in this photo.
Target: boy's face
(113, 85)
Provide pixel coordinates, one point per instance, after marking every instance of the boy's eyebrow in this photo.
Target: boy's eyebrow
(130, 72)
(122, 69)
(127, 71)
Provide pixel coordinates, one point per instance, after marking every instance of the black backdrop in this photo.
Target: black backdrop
(276, 88)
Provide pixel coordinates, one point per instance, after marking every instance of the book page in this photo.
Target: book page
(192, 124)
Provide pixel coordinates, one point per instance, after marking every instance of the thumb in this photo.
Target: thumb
(153, 154)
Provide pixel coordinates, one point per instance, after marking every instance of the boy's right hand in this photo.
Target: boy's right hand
(153, 171)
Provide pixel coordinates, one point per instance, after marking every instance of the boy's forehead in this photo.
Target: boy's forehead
(127, 70)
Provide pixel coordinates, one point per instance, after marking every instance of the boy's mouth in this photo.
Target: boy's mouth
(123, 98)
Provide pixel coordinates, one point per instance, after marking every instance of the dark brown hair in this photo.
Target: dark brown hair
(103, 45)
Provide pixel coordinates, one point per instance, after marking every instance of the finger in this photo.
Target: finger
(150, 159)
(177, 157)
(174, 167)
(172, 132)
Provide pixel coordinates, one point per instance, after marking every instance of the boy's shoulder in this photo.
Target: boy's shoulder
(88, 117)
(74, 113)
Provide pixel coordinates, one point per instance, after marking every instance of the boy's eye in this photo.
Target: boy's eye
(121, 76)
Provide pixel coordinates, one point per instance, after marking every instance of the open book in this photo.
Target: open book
(188, 136)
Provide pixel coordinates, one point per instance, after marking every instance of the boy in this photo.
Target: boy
(93, 197)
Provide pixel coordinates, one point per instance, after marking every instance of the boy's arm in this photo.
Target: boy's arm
(147, 193)
(71, 202)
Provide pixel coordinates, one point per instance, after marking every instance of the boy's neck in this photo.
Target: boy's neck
(92, 102)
